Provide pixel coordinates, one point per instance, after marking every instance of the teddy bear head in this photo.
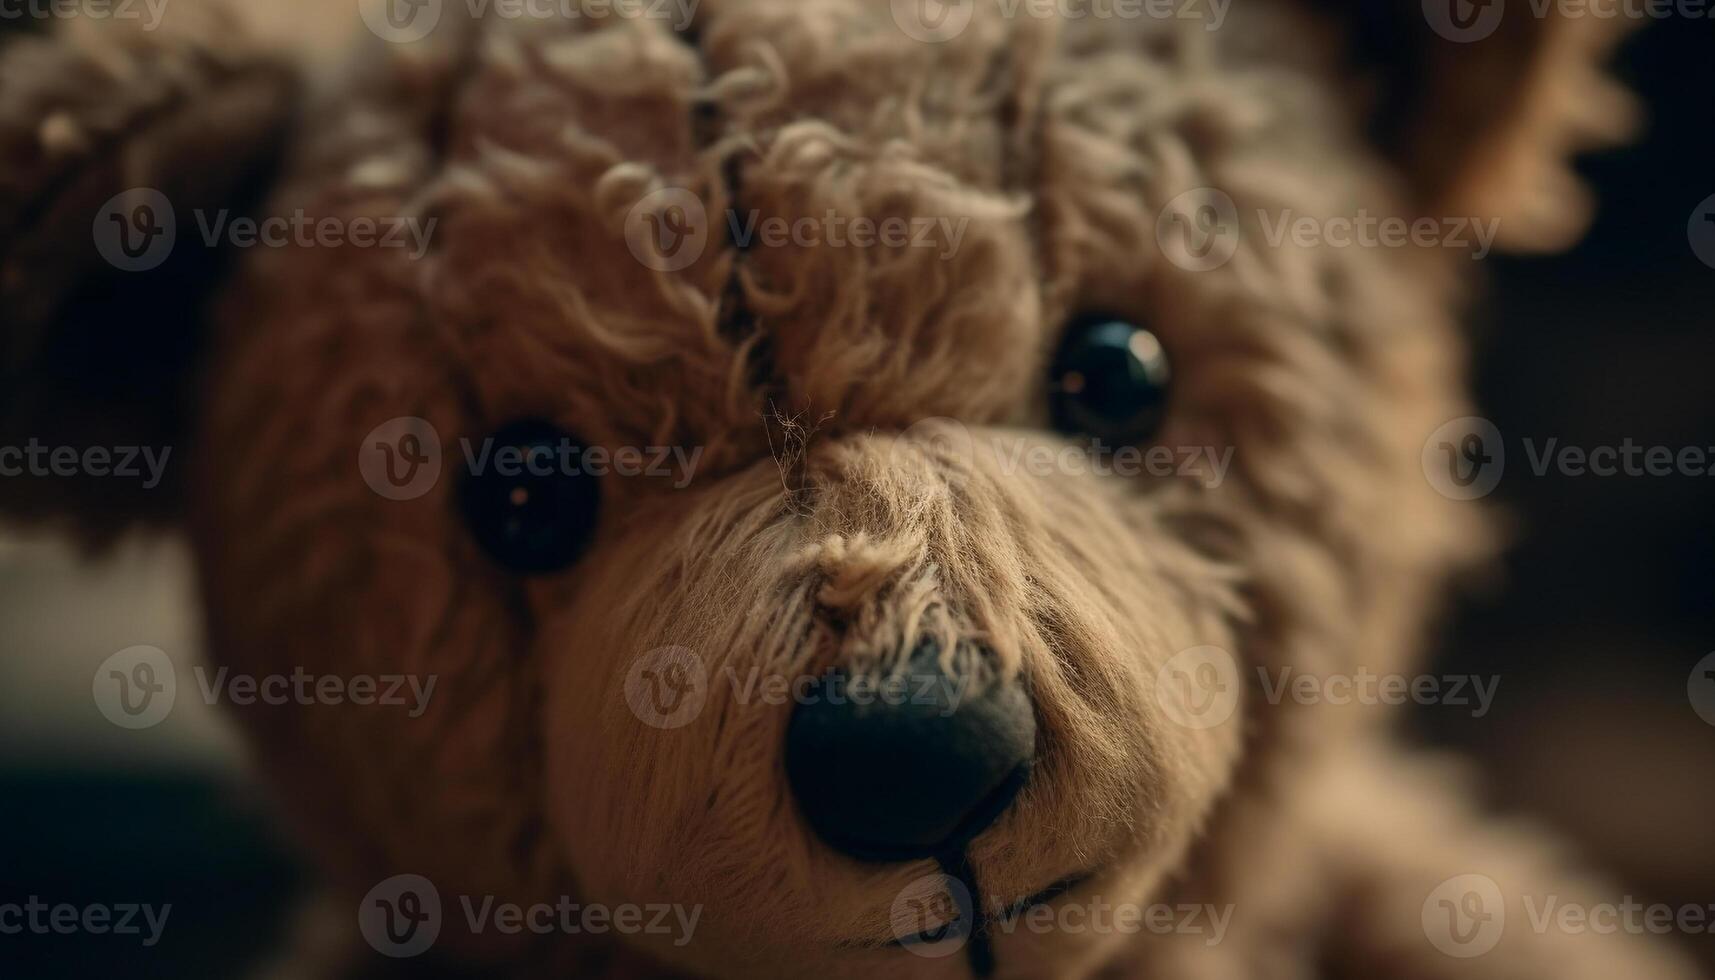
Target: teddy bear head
(842, 464)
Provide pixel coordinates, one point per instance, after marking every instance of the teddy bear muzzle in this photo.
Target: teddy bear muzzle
(910, 766)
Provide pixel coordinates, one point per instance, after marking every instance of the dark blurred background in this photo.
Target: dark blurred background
(1601, 608)
(1606, 601)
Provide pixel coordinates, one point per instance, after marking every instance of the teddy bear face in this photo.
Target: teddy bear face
(869, 461)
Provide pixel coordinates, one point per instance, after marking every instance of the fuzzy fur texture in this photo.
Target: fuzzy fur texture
(827, 522)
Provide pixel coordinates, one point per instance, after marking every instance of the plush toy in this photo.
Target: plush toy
(865, 488)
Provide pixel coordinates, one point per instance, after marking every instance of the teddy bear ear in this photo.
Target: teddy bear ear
(111, 139)
(1483, 104)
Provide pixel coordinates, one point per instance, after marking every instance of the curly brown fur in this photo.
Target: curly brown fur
(1322, 371)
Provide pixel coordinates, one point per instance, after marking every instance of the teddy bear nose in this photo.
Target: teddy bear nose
(909, 767)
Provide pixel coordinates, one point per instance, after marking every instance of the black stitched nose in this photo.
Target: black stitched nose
(910, 767)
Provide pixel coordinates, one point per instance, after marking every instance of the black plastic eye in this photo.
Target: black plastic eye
(526, 498)
(1110, 381)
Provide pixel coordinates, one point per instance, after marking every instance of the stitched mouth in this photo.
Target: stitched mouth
(1059, 889)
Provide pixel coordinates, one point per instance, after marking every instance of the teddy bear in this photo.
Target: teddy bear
(850, 470)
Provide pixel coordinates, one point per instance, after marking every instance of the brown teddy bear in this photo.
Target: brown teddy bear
(857, 475)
